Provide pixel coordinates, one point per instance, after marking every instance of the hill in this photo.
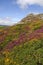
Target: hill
(22, 44)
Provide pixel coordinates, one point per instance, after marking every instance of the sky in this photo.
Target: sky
(12, 11)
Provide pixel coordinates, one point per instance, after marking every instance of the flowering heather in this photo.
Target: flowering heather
(22, 44)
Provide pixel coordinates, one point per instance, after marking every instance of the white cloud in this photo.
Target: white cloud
(25, 3)
(7, 21)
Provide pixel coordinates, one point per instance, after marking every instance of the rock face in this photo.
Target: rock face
(32, 17)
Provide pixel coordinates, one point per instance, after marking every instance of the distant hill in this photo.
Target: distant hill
(22, 44)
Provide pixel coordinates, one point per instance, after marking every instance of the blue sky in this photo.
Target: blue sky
(11, 11)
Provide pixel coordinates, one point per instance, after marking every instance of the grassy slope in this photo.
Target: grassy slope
(22, 44)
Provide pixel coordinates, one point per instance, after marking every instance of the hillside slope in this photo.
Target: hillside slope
(22, 44)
